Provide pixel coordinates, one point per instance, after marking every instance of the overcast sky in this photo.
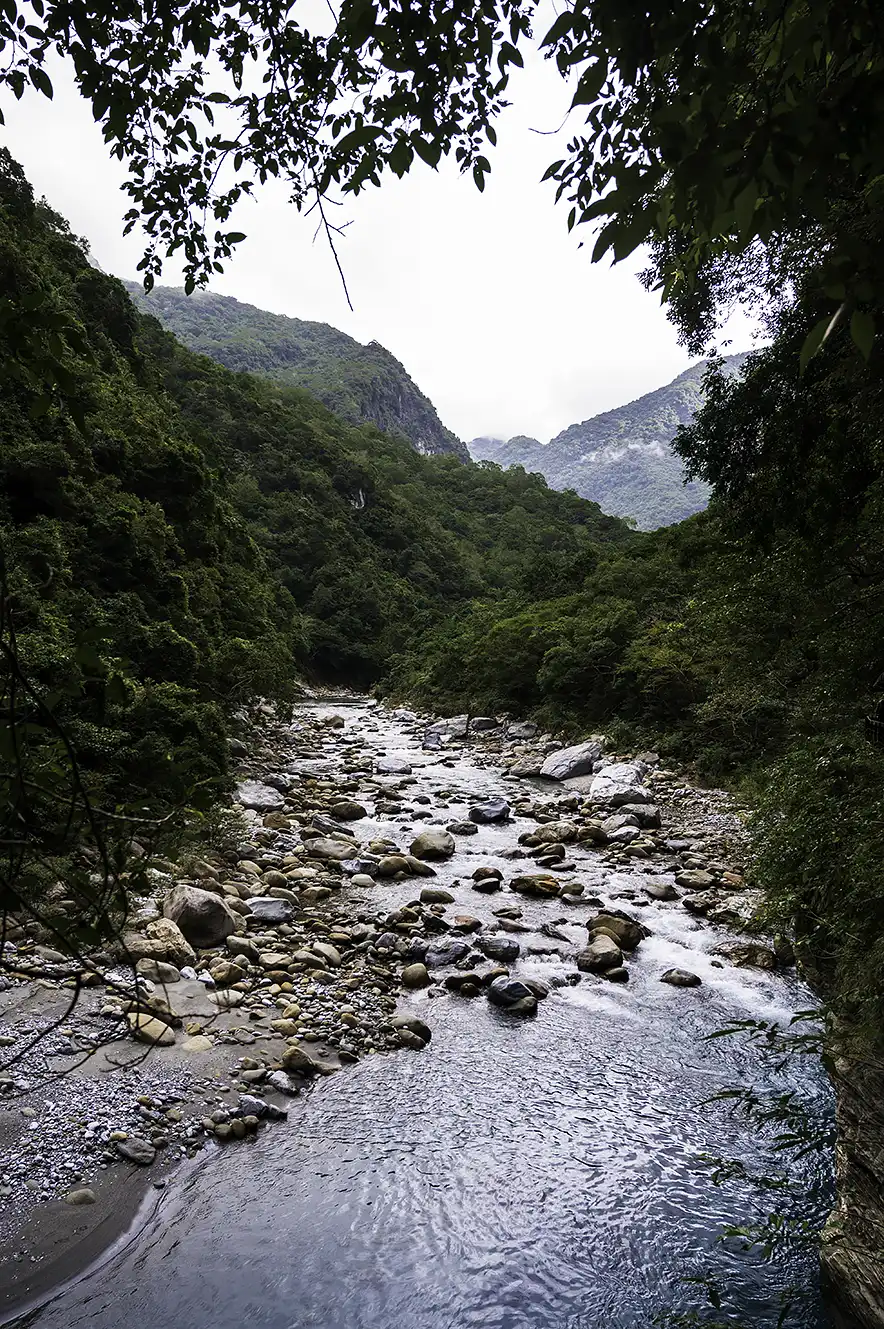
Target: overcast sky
(488, 302)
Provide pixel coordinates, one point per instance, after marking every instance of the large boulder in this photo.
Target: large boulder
(171, 941)
(619, 784)
(521, 729)
(258, 796)
(204, 918)
(433, 845)
(577, 760)
(494, 809)
(601, 954)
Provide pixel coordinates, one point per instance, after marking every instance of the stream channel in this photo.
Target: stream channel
(542, 1173)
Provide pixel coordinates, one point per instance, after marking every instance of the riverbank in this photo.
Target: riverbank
(364, 880)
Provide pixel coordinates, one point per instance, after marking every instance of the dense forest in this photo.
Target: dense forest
(359, 383)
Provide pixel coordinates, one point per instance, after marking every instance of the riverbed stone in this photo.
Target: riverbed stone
(202, 916)
(602, 953)
(619, 784)
(536, 884)
(80, 1195)
(415, 976)
(392, 766)
(170, 943)
(347, 809)
(503, 949)
(433, 845)
(135, 1149)
(445, 953)
(680, 978)
(326, 848)
(510, 994)
(695, 879)
(258, 796)
(148, 1029)
(492, 810)
(271, 910)
(625, 931)
(566, 763)
(436, 895)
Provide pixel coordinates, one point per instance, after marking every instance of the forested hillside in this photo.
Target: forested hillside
(359, 383)
(178, 538)
(622, 459)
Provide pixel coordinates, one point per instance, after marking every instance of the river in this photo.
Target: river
(549, 1173)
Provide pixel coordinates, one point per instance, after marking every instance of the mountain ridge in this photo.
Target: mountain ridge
(622, 458)
(360, 382)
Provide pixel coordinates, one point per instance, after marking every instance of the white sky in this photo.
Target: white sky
(485, 298)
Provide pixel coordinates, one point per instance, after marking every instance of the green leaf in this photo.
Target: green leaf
(862, 331)
(817, 338)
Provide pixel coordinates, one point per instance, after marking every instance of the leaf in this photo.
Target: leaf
(562, 26)
(817, 338)
(862, 331)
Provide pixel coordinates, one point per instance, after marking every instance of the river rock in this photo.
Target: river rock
(433, 845)
(158, 971)
(646, 814)
(148, 1029)
(445, 953)
(436, 895)
(279, 1081)
(695, 879)
(390, 864)
(204, 918)
(171, 941)
(680, 978)
(601, 954)
(660, 890)
(462, 828)
(136, 1149)
(415, 976)
(625, 931)
(346, 809)
(619, 784)
(304, 1061)
(81, 1195)
(749, 955)
(495, 809)
(536, 884)
(526, 767)
(260, 797)
(270, 910)
(521, 729)
(327, 848)
(512, 995)
(502, 949)
(392, 766)
(566, 763)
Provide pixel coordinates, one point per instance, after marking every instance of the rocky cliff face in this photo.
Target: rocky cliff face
(622, 459)
(359, 383)
(852, 1248)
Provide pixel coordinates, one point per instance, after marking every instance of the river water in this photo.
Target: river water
(550, 1173)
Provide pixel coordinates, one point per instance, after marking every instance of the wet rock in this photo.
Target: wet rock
(502, 949)
(392, 766)
(680, 978)
(436, 895)
(417, 868)
(538, 885)
(348, 810)
(566, 763)
(462, 828)
(270, 910)
(390, 864)
(203, 917)
(81, 1195)
(279, 1081)
(601, 954)
(136, 1149)
(413, 1025)
(619, 974)
(646, 814)
(625, 931)
(619, 784)
(465, 985)
(433, 845)
(512, 995)
(493, 810)
(551, 832)
(749, 955)
(243, 947)
(660, 890)
(304, 1061)
(526, 767)
(415, 976)
(446, 953)
(260, 797)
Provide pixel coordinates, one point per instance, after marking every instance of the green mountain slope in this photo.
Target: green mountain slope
(621, 459)
(177, 538)
(359, 383)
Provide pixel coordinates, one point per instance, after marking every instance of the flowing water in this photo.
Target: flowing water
(550, 1173)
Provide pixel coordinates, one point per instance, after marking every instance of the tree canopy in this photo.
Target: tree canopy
(737, 139)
